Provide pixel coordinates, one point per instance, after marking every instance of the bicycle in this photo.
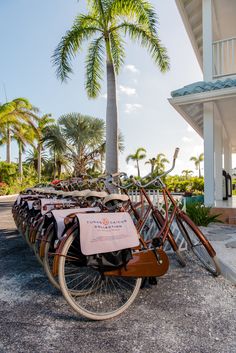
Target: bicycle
(195, 239)
(103, 295)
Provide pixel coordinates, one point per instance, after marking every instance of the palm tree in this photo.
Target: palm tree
(32, 158)
(84, 136)
(104, 25)
(23, 134)
(43, 124)
(187, 173)
(54, 140)
(197, 161)
(12, 115)
(152, 162)
(159, 164)
(136, 157)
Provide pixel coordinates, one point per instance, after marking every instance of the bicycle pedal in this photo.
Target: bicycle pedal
(156, 242)
(152, 281)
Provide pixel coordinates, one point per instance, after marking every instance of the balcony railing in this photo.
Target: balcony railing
(224, 57)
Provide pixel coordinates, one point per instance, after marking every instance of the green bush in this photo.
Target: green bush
(201, 214)
(177, 183)
(8, 173)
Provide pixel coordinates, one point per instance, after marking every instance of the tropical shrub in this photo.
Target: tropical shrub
(201, 214)
(177, 183)
(8, 172)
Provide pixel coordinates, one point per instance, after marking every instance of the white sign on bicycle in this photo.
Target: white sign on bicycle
(106, 232)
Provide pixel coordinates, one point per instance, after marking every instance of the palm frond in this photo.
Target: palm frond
(68, 47)
(149, 41)
(117, 50)
(94, 67)
(141, 11)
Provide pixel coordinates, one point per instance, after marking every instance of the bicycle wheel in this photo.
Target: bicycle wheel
(89, 292)
(48, 260)
(36, 244)
(198, 244)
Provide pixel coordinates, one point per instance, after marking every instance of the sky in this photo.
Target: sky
(30, 31)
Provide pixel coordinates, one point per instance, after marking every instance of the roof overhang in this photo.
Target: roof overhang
(192, 20)
(191, 107)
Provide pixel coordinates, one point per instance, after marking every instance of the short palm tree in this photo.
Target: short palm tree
(23, 134)
(197, 161)
(54, 140)
(32, 158)
(104, 25)
(84, 136)
(12, 115)
(187, 173)
(158, 163)
(43, 124)
(152, 162)
(139, 155)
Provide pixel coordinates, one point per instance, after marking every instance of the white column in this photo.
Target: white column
(209, 184)
(207, 39)
(227, 156)
(218, 159)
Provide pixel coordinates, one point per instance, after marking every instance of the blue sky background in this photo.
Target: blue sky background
(29, 33)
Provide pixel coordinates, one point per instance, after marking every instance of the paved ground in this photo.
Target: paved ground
(223, 238)
(187, 312)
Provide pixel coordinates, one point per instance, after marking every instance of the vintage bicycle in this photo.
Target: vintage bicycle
(99, 294)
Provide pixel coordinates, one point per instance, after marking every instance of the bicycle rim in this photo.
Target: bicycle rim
(196, 244)
(99, 297)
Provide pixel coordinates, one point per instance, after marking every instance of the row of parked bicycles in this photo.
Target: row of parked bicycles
(95, 243)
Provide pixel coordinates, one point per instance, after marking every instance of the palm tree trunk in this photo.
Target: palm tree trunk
(20, 166)
(199, 170)
(39, 162)
(111, 122)
(55, 166)
(59, 169)
(8, 150)
(138, 168)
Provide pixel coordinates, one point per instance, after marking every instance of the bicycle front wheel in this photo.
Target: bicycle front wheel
(198, 244)
(99, 297)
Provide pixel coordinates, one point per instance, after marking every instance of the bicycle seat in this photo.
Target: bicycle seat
(96, 194)
(67, 193)
(81, 193)
(115, 197)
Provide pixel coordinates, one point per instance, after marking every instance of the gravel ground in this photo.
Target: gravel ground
(187, 312)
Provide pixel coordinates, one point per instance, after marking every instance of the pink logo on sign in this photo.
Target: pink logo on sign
(105, 221)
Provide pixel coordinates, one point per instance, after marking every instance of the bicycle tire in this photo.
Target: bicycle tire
(103, 297)
(48, 261)
(198, 244)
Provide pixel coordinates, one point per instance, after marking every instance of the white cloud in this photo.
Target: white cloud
(130, 108)
(127, 90)
(132, 69)
(104, 96)
(197, 150)
(186, 139)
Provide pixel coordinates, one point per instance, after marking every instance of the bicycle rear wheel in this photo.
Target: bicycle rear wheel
(198, 244)
(89, 292)
(49, 254)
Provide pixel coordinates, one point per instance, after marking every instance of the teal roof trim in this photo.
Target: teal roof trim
(202, 86)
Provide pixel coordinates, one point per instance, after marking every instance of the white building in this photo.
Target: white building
(210, 106)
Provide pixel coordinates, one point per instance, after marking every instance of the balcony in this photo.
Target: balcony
(224, 57)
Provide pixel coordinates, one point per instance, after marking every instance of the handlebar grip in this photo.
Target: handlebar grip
(176, 153)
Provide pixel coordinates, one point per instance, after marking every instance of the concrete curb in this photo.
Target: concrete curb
(227, 272)
(8, 196)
